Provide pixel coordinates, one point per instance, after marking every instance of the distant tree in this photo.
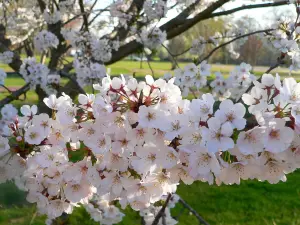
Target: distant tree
(176, 46)
(251, 49)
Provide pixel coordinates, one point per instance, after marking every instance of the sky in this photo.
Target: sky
(263, 15)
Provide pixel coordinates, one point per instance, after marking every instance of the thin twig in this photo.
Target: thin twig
(149, 65)
(247, 7)
(279, 59)
(15, 95)
(185, 51)
(296, 22)
(200, 219)
(98, 14)
(174, 59)
(279, 62)
(180, 24)
(193, 92)
(162, 210)
(228, 42)
(271, 68)
(2, 85)
(71, 78)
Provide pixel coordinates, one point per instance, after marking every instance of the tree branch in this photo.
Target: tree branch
(73, 80)
(186, 24)
(173, 56)
(228, 42)
(180, 24)
(169, 27)
(200, 219)
(4, 46)
(98, 14)
(279, 62)
(15, 95)
(244, 7)
(42, 5)
(6, 88)
(84, 15)
(162, 210)
(135, 9)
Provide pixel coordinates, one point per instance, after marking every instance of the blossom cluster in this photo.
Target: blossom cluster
(285, 38)
(192, 76)
(6, 57)
(8, 114)
(235, 85)
(90, 46)
(69, 6)
(52, 17)
(118, 9)
(3, 75)
(89, 73)
(45, 40)
(136, 141)
(102, 211)
(151, 212)
(152, 37)
(156, 10)
(199, 45)
(34, 73)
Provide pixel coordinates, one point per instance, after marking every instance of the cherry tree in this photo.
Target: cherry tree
(137, 140)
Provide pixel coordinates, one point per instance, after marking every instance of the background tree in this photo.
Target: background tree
(90, 16)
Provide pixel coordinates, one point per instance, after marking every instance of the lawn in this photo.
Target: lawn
(251, 203)
(135, 68)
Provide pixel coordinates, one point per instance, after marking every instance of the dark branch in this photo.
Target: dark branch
(183, 25)
(278, 63)
(42, 5)
(72, 79)
(161, 211)
(173, 56)
(200, 219)
(244, 7)
(180, 24)
(6, 88)
(97, 15)
(135, 9)
(171, 27)
(4, 46)
(84, 15)
(229, 42)
(15, 95)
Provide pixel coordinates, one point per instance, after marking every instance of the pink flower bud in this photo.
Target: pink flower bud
(19, 138)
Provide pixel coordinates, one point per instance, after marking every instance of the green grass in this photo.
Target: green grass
(251, 203)
(132, 67)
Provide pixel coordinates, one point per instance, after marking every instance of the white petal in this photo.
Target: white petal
(25, 110)
(214, 123)
(226, 129)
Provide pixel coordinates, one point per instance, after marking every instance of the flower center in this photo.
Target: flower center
(150, 116)
(33, 135)
(274, 134)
